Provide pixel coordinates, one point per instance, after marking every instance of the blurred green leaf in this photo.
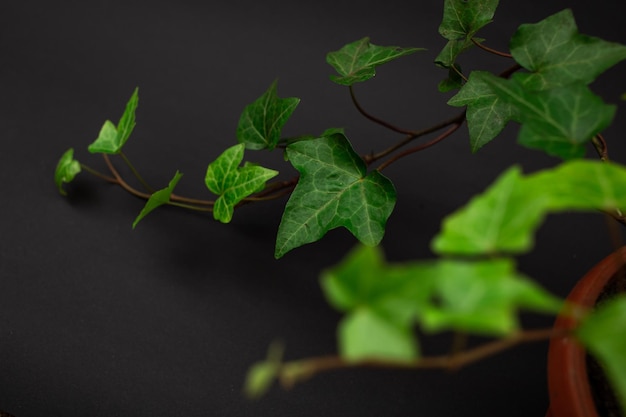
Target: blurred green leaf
(483, 297)
(262, 374)
(487, 114)
(158, 198)
(334, 190)
(112, 138)
(559, 121)
(603, 335)
(67, 168)
(233, 183)
(363, 335)
(502, 219)
(357, 61)
(261, 122)
(558, 55)
(461, 21)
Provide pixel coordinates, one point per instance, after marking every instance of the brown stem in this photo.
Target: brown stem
(456, 119)
(376, 119)
(421, 147)
(293, 372)
(490, 50)
(121, 181)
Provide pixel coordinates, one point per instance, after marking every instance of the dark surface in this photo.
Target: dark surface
(100, 320)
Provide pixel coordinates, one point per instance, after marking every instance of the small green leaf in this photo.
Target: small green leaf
(557, 54)
(233, 183)
(262, 374)
(67, 168)
(112, 138)
(560, 121)
(334, 190)
(158, 198)
(454, 80)
(357, 61)
(487, 114)
(261, 122)
(483, 297)
(603, 335)
(502, 219)
(364, 335)
(461, 21)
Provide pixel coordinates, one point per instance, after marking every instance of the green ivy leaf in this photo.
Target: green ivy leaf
(357, 61)
(559, 121)
(602, 334)
(261, 122)
(483, 297)
(462, 19)
(502, 219)
(557, 54)
(262, 374)
(233, 183)
(112, 138)
(67, 168)
(158, 198)
(363, 335)
(581, 185)
(487, 114)
(334, 190)
(454, 80)
(363, 278)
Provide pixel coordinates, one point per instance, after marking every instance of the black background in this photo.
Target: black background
(99, 320)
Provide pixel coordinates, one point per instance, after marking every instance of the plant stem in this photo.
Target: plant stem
(296, 371)
(423, 146)
(135, 172)
(376, 119)
(490, 50)
(121, 181)
(98, 174)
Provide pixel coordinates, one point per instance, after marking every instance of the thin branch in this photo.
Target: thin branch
(490, 50)
(376, 119)
(293, 372)
(98, 174)
(421, 147)
(121, 181)
(136, 173)
(452, 121)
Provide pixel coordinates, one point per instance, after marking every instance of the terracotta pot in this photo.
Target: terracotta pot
(568, 383)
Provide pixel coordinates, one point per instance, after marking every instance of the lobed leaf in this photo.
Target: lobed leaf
(502, 219)
(261, 122)
(112, 138)
(357, 61)
(158, 198)
(487, 114)
(233, 183)
(603, 336)
(334, 190)
(462, 19)
(67, 168)
(557, 54)
(559, 121)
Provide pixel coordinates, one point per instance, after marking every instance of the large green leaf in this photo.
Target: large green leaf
(560, 121)
(112, 138)
(364, 334)
(158, 198)
(483, 297)
(502, 219)
(67, 168)
(581, 185)
(334, 190)
(261, 122)
(462, 19)
(603, 335)
(557, 54)
(357, 61)
(487, 114)
(233, 183)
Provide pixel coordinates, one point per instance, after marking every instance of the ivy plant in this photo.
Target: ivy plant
(473, 286)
